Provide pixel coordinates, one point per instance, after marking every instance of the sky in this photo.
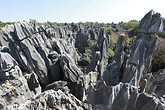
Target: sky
(62, 11)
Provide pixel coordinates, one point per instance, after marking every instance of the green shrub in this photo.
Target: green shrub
(91, 42)
(128, 41)
(131, 28)
(72, 24)
(131, 24)
(110, 52)
(117, 30)
(110, 30)
(112, 43)
(162, 34)
(2, 24)
(159, 58)
(90, 53)
(110, 55)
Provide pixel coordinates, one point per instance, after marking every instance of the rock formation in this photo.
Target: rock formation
(127, 91)
(123, 97)
(51, 100)
(143, 48)
(50, 68)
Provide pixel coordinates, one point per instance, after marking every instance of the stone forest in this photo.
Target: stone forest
(73, 67)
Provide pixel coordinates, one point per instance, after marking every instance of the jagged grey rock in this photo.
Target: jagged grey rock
(122, 97)
(58, 85)
(70, 69)
(93, 34)
(119, 55)
(36, 61)
(55, 100)
(112, 72)
(33, 83)
(84, 60)
(83, 85)
(151, 22)
(14, 89)
(57, 58)
(154, 82)
(93, 66)
(64, 41)
(82, 38)
(99, 52)
(143, 49)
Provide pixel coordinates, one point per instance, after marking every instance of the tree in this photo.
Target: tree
(159, 58)
(131, 28)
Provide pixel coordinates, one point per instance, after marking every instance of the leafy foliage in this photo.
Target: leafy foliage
(159, 58)
(91, 42)
(110, 52)
(89, 53)
(110, 30)
(110, 55)
(72, 24)
(128, 41)
(131, 28)
(112, 43)
(2, 24)
(162, 34)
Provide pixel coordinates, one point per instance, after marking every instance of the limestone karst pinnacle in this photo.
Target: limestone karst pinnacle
(49, 68)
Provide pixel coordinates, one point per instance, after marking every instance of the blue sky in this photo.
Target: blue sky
(78, 10)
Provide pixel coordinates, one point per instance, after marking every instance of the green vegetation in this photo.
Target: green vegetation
(2, 24)
(110, 55)
(110, 52)
(91, 42)
(131, 28)
(113, 31)
(159, 58)
(162, 34)
(72, 24)
(128, 41)
(54, 24)
(112, 43)
(90, 53)
(110, 30)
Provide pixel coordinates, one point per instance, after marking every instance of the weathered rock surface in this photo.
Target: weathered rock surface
(59, 68)
(58, 85)
(70, 70)
(55, 100)
(154, 83)
(143, 49)
(82, 40)
(122, 97)
(14, 88)
(152, 22)
(126, 95)
(112, 73)
(99, 59)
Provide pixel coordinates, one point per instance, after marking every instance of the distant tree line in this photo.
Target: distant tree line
(2, 24)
